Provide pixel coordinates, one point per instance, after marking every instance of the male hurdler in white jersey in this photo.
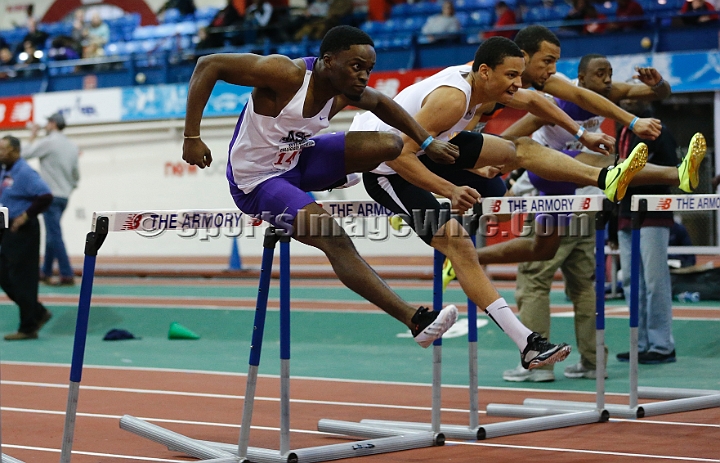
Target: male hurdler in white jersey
(276, 155)
(444, 104)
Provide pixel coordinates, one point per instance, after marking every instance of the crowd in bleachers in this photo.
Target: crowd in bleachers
(185, 32)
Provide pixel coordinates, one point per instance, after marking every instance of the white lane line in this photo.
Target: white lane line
(159, 420)
(92, 454)
(589, 452)
(221, 396)
(449, 442)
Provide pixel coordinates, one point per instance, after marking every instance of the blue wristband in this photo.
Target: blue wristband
(426, 143)
(632, 124)
(580, 133)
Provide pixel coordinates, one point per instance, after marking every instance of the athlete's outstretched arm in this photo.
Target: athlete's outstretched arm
(597, 104)
(546, 109)
(262, 72)
(653, 87)
(395, 115)
(524, 127)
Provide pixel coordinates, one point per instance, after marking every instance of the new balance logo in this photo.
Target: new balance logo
(664, 204)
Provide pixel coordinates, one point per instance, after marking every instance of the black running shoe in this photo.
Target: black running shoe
(429, 325)
(540, 352)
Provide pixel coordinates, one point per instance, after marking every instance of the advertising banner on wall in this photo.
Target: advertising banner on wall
(154, 102)
(686, 72)
(16, 112)
(80, 107)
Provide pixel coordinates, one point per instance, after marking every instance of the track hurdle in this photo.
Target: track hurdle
(377, 440)
(675, 400)
(537, 418)
(4, 225)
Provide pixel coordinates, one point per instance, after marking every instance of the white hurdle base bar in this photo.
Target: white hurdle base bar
(615, 411)
(681, 405)
(9, 459)
(526, 411)
(551, 419)
(666, 393)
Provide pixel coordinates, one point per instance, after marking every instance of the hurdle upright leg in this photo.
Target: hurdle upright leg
(93, 242)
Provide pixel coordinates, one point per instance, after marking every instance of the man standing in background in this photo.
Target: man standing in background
(59, 169)
(25, 195)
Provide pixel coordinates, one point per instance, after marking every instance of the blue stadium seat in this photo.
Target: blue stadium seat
(186, 28)
(293, 50)
(480, 18)
(171, 15)
(428, 8)
(205, 13)
(607, 8)
(142, 33)
(372, 28)
(394, 42)
(402, 10)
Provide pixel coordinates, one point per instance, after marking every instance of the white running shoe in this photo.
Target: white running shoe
(430, 325)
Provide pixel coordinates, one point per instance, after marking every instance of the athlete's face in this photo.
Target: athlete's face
(541, 65)
(505, 79)
(7, 153)
(597, 76)
(350, 69)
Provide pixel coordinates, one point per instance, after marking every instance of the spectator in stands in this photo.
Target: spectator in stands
(64, 47)
(7, 59)
(98, 32)
(227, 17)
(505, 17)
(34, 35)
(30, 18)
(695, 7)
(679, 236)
(29, 56)
(79, 31)
(583, 10)
(257, 21)
(339, 12)
(628, 9)
(314, 12)
(184, 7)
(442, 26)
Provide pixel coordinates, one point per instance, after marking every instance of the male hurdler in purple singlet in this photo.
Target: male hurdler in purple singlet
(276, 156)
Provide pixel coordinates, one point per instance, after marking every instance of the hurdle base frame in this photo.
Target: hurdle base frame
(379, 441)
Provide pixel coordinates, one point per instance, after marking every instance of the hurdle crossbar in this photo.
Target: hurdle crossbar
(4, 225)
(382, 440)
(538, 420)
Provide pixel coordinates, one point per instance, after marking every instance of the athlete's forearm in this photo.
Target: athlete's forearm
(201, 84)
(588, 100)
(409, 167)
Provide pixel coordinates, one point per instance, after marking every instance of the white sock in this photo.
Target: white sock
(504, 317)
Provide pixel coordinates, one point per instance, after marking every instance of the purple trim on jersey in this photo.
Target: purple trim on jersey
(229, 169)
(310, 62)
(550, 188)
(575, 112)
